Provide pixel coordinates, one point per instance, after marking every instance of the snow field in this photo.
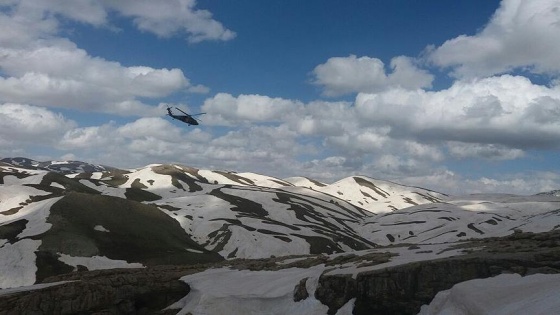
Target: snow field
(97, 262)
(229, 291)
(17, 263)
(506, 294)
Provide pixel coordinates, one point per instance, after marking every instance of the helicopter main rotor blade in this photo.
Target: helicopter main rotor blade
(182, 111)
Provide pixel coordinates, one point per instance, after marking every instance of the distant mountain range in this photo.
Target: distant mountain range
(63, 167)
(58, 217)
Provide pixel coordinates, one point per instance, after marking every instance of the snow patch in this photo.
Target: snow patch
(347, 308)
(33, 179)
(104, 189)
(97, 262)
(147, 177)
(57, 185)
(17, 263)
(31, 287)
(37, 214)
(100, 228)
(227, 291)
(12, 196)
(506, 294)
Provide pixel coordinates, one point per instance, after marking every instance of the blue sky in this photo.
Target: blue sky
(456, 96)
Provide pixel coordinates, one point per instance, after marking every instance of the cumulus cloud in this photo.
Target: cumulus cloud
(391, 166)
(30, 124)
(163, 18)
(484, 151)
(150, 127)
(88, 137)
(63, 75)
(268, 149)
(320, 118)
(143, 141)
(521, 34)
(39, 67)
(266, 145)
(507, 111)
(332, 168)
(225, 108)
(448, 182)
(168, 17)
(19, 29)
(343, 75)
(359, 141)
(524, 183)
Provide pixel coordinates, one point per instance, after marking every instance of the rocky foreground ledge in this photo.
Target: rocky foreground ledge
(401, 288)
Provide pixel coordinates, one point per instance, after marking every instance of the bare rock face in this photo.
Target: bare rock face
(146, 291)
(300, 291)
(404, 289)
(335, 291)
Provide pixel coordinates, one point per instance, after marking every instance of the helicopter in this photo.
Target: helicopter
(186, 118)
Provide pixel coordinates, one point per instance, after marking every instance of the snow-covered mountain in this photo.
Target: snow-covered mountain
(59, 217)
(465, 217)
(379, 196)
(64, 167)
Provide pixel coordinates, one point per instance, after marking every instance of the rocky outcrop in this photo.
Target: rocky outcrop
(335, 291)
(300, 291)
(404, 289)
(145, 291)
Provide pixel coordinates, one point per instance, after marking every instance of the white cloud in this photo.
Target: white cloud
(30, 124)
(429, 152)
(65, 76)
(164, 17)
(451, 183)
(521, 34)
(21, 29)
(141, 142)
(394, 165)
(508, 111)
(39, 67)
(224, 108)
(266, 144)
(343, 75)
(127, 136)
(529, 183)
(168, 17)
(89, 138)
(320, 118)
(359, 141)
(266, 149)
(85, 11)
(155, 140)
(330, 169)
(483, 151)
(199, 89)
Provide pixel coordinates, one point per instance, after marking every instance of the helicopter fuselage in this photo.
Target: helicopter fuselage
(186, 119)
